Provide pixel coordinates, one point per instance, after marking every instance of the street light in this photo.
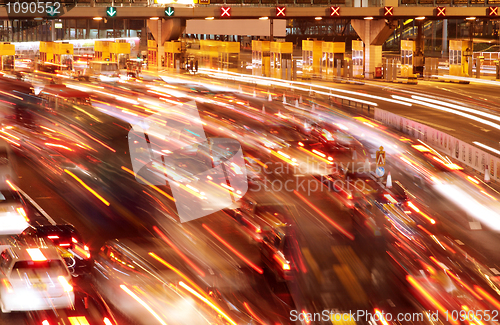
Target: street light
(264, 18)
(420, 18)
(154, 18)
(368, 18)
(209, 18)
(318, 18)
(97, 18)
(471, 18)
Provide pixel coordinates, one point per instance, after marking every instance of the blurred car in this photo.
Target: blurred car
(33, 277)
(270, 224)
(73, 250)
(89, 309)
(13, 210)
(149, 282)
(353, 187)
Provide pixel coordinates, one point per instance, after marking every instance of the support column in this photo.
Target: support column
(373, 33)
(161, 47)
(52, 30)
(165, 30)
(444, 47)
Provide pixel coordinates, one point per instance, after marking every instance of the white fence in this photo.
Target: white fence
(451, 146)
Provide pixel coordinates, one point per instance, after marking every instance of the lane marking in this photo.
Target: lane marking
(39, 208)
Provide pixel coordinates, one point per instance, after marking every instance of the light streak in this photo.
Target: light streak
(87, 187)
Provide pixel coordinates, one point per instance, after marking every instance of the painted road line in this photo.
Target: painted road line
(39, 208)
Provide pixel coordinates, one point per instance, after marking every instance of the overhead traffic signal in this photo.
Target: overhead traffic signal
(335, 12)
(388, 11)
(225, 12)
(280, 11)
(111, 11)
(169, 11)
(493, 11)
(441, 11)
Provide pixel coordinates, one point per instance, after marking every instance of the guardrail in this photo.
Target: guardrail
(489, 57)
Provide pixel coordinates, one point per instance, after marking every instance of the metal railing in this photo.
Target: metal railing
(489, 57)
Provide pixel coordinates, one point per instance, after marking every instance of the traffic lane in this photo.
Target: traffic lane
(463, 128)
(474, 94)
(451, 220)
(55, 205)
(468, 232)
(341, 274)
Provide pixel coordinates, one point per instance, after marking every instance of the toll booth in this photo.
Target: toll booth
(311, 58)
(280, 57)
(152, 53)
(7, 54)
(407, 53)
(458, 59)
(63, 54)
(229, 56)
(47, 51)
(209, 54)
(102, 50)
(173, 54)
(260, 58)
(332, 52)
(120, 53)
(357, 59)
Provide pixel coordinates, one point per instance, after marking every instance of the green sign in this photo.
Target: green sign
(52, 11)
(169, 11)
(111, 11)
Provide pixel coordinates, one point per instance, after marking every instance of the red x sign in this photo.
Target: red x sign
(225, 11)
(280, 11)
(441, 11)
(493, 11)
(388, 11)
(335, 11)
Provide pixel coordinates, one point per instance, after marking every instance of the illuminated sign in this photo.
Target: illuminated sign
(57, 25)
(111, 11)
(169, 11)
(493, 11)
(335, 11)
(388, 11)
(225, 11)
(441, 11)
(280, 11)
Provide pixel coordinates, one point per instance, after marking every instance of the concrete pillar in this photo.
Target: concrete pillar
(470, 63)
(161, 47)
(339, 68)
(373, 33)
(478, 68)
(388, 70)
(394, 69)
(165, 30)
(444, 47)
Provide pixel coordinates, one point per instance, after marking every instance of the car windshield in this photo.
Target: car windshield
(9, 196)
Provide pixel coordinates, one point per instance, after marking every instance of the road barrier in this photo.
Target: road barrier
(462, 151)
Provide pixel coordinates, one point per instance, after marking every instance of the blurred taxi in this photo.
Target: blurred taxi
(33, 277)
(13, 210)
(89, 309)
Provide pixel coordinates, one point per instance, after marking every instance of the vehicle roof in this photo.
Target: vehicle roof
(19, 250)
